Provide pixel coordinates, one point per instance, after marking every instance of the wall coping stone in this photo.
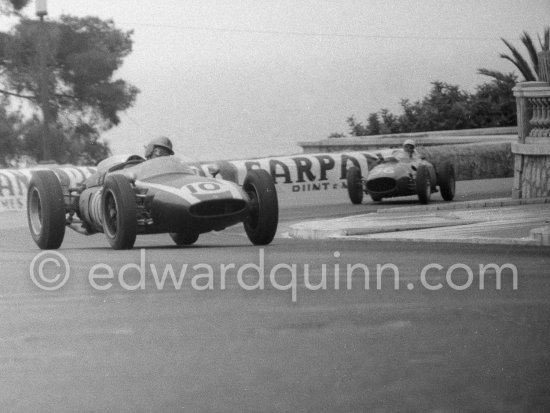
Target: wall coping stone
(531, 149)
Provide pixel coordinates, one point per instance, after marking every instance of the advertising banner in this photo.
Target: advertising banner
(299, 179)
(14, 183)
(302, 179)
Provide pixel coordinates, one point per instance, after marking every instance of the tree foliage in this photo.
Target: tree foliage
(84, 98)
(8, 7)
(390, 122)
(447, 107)
(494, 104)
(10, 124)
(356, 128)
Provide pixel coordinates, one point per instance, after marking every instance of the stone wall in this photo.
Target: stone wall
(536, 177)
(370, 143)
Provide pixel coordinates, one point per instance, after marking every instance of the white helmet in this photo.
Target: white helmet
(409, 142)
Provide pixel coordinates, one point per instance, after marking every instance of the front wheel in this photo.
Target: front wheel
(423, 184)
(184, 238)
(447, 181)
(261, 223)
(119, 212)
(46, 210)
(355, 185)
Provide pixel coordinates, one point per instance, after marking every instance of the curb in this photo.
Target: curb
(479, 241)
(298, 231)
(537, 236)
(487, 203)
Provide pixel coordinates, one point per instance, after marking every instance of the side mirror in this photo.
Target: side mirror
(213, 170)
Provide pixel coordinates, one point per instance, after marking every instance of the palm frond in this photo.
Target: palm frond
(519, 62)
(528, 42)
(545, 44)
(492, 73)
(524, 70)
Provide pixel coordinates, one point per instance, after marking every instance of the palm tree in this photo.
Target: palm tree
(530, 73)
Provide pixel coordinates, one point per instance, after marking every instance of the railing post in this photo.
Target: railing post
(532, 151)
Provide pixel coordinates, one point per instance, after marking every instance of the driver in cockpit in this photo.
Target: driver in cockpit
(161, 146)
(408, 153)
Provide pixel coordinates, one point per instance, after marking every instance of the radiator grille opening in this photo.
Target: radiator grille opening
(217, 208)
(381, 185)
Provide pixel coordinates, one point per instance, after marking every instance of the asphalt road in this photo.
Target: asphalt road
(213, 338)
(338, 204)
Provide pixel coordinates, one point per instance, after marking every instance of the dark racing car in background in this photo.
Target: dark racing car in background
(161, 195)
(392, 177)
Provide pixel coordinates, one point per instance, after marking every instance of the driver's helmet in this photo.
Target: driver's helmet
(409, 142)
(409, 145)
(160, 142)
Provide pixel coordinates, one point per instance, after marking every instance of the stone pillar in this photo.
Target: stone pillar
(532, 151)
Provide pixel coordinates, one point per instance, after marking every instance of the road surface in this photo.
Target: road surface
(211, 337)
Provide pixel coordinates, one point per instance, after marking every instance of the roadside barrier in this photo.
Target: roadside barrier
(14, 183)
(300, 179)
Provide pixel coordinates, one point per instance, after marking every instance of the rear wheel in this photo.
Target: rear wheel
(423, 184)
(119, 212)
(355, 185)
(184, 238)
(446, 180)
(261, 223)
(46, 210)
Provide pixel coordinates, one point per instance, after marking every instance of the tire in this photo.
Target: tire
(46, 210)
(355, 186)
(446, 180)
(119, 210)
(184, 238)
(423, 184)
(261, 223)
(376, 198)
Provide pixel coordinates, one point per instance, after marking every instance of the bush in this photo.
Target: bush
(474, 161)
